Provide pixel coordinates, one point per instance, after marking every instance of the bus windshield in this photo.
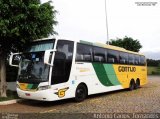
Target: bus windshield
(41, 46)
(32, 68)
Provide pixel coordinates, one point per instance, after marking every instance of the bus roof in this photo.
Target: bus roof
(51, 38)
(95, 44)
(110, 47)
(43, 39)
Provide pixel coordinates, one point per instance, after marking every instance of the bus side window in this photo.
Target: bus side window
(84, 53)
(111, 60)
(131, 59)
(123, 58)
(99, 54)
(113, 56)
(142, 60)
(137, 59)
(79, 57)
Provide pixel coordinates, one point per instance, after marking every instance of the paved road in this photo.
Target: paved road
(145, 99)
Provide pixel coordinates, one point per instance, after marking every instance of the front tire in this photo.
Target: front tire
(81, 93)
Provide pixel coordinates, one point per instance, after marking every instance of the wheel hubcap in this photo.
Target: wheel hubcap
(80, 93)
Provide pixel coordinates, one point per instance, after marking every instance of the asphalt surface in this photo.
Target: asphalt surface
(143, 100)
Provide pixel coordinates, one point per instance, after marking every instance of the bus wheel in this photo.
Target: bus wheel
(132, 85)
(137, 85)
(81, 93)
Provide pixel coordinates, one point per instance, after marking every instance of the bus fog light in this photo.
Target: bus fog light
(44, 87)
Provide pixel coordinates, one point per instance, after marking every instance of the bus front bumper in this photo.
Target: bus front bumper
(42, 95)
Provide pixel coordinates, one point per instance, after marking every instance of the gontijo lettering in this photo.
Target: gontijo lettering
(126, 69)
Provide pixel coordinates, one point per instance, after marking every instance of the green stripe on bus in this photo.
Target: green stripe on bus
(101, 74)
(111, 74)
(29, 86)
(34, 86)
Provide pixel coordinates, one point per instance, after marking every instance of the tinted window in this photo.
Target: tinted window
(65, 47)
(137, 59)
(84, 53)
(131, 59)
(123, 58)
(112, 56)
(62, 62)
(142, 60)
(99, 54)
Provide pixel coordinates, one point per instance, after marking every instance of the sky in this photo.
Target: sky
(86, 20)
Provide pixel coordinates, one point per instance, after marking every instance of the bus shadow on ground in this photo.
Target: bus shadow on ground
(44, 104)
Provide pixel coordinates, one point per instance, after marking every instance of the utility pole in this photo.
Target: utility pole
(106, 22)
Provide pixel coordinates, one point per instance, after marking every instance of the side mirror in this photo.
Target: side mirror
(14, 59)
(48, 57)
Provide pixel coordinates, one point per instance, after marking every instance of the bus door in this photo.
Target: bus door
(62, 62)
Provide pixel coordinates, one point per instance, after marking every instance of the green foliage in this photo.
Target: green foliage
(127, 43)
(10, 96)
(22, 21)
(153, 70)
(155, 63)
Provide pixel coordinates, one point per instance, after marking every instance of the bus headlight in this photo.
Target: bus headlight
(44, 87)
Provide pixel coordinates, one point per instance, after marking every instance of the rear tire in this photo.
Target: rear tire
(81, 93)
(137, 84)
(132, 85)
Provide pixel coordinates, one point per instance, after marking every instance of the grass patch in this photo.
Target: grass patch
(10, 96)
(153, 70)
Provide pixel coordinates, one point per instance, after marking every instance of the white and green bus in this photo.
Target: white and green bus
(55, 69)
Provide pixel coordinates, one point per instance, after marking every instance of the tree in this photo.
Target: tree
(22, 21)
(152, 62)
(128, 43)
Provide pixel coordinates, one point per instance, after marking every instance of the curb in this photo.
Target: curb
(8, 102)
